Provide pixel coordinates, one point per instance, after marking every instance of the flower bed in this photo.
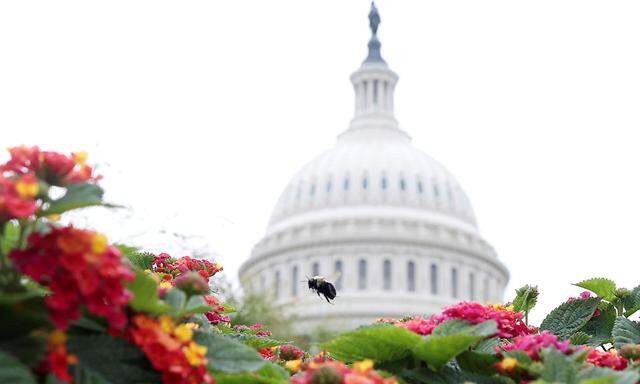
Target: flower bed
(75, 308)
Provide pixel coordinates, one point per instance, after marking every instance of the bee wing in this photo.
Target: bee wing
(335, 276)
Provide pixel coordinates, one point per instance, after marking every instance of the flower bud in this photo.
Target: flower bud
(290, 352)
(630, 351)
(191, 283)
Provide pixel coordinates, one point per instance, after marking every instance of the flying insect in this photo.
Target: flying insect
(322, 287)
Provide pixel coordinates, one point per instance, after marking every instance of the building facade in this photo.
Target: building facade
(388, 223)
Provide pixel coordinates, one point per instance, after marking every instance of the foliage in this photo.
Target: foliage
(74, 308)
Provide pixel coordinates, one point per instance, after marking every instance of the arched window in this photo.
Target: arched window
(485, 290)
(386, 275)
(383, 182)
(315, 269)
(433, 279)
(365, 183)
(312, 189)
(328, 187)
(454, 283)
(345, 184)
(294, 280)
(472, 286)
(419, 187)
(276, 285)
(436, 190)
(411, 276)
(403, 185)
(337, 269)
(362, 274)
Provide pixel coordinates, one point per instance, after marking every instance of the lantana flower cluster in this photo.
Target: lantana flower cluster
(81, 269)
(257, 329)
(510, 323)
(171, 349)
(170, 268)
(58, 359)
(532, 345)
(336, 372)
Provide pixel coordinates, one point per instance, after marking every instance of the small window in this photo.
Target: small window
(386, 275)
(337, 269)
(411, 276)
(312, 190)
(362, 274)
(403, 185)
(365, 183)
(383, 183)
(375, 92)
(315, 269)
(276, 285)
(436, 190)
(433, 279)
(472, 286)
(328, 187)
(454, 283)
(419, 187)
(294, 280)
(345, 185)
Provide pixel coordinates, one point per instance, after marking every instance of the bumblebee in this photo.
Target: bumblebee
(322, 287)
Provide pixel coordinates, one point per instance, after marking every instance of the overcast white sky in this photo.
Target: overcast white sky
(201, 111)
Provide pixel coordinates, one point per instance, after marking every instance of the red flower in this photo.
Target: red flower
(268, 353)
(163, 263)
(216, 315)
(609, 359)
(290, 352)
(533, 344)
(57, 359)
(509, 323)
(80, 268)
(336, 372)
(17, 196)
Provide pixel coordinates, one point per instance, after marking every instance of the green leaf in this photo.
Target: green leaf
(380, 343)
(103, 358)
(176, 298)
(449, 375)
(569, 317)
(10, 237)
(145, 295)
(598, 375)
(488, 345)
(456, 326)
(558, 368)
(29, 349)
(477, 362)
(270, 373)
(13, 371)
(632, 302)
(526, 298)
(257, 342)
(602, 287)
(625, 331)
(78, 195)
(228, 355)
(142, 260)
(437, 351)
(580, 338)
(195, 305)
(600, 327)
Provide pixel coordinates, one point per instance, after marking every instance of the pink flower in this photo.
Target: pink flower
(609, 359)
(533, 344)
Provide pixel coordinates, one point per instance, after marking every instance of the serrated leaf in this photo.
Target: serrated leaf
(145, 295)
(600, 327)
(257, 342)
(598, 375)
(437, 351)
(142, 260)
(10, 237)
(103, 357)
(195, 305)
(380, 343)
(228, 355)
(78, 195)
(526, 298)
(580, 338)
(602, 287)
(625, 331)
(632, 302)
(13, 371)
(488, 345)
(569, 317)
(449, 375)
(456, 326)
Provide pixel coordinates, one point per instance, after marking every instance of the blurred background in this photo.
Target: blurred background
(199, 113)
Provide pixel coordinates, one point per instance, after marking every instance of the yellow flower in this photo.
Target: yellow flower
(293, 365)
(165, 284)
(99, 243)
(507, 364)
(195, 353)
(54, 217)
(27, 189)
(167, 324)
(363, 366)
(80, 158)
(509, 308)
(57, 337)
(183, 332)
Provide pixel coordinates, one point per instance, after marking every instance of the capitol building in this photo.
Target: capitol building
(390, 224)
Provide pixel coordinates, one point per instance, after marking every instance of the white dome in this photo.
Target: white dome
(390, 221)
(372, 168)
